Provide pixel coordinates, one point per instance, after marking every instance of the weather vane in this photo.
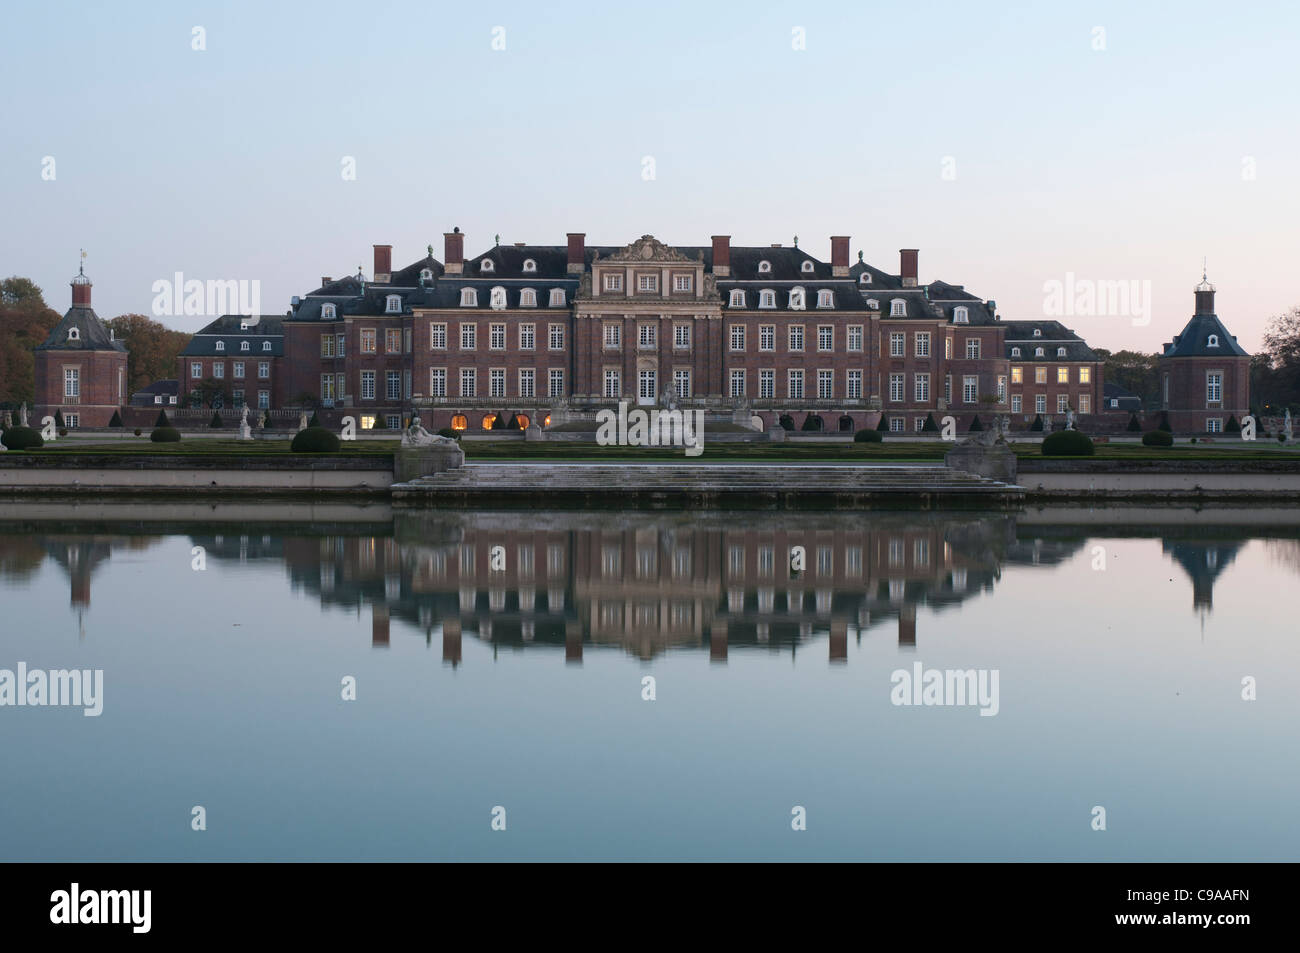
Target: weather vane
(82, 267)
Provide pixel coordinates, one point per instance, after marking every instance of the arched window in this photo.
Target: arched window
(528, 298)
(864, 278)
(806, 267)
(75, 335)
(243, 345)
(468, 298)
(426, 274)
(487, 265)
(796, 299)
(767, 298)
(523, 421)
(1015, 352)
(557, 297)
(1060, 352)
(1213, 341)
(897, 308)
(266, 345)
(737, 298)
(764, 267)
(487, 421)
(530, 265)
(825, 299)
(328, 311)
(394, 305)
(547, 421)
(458, 422)
(498, 298)
(1038, 332)
(1038, 352)
(221, 345)
(960, 316)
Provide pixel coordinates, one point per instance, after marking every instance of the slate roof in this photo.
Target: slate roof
(1054, 335)
(92, 333)
(227, 329)
(1127, 399)
(1194, 341)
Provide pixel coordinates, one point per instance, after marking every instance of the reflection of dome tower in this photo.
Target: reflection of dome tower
(1203, 562)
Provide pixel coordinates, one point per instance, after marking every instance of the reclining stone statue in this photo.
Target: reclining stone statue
(416, 436)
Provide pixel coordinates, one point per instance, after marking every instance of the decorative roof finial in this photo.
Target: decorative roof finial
(796, 241)
(859, 254)
(496, 239)
(430, 251)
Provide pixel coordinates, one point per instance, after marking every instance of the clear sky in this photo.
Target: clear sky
(996, 138)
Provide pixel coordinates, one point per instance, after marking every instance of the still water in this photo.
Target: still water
(500, 661)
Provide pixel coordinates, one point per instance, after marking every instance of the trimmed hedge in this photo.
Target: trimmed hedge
(162, 420)
(1164, 423)
(786, 422)
(929, 426)
(116, 421)
(22, 438)
(868, 436)
(975, 425)
(215, 422)
(315, 421)
(1134, 425)
(1157, 438)
(315, 440)
(1037, 425)
(1232, 426)
(812, 423)
(1068, 443)
(882, 425)
(165, 435)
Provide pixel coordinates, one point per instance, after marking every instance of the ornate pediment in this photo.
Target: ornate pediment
(647, 248)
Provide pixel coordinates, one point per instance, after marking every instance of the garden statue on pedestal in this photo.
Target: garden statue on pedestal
(1069, 418)
(244, 432)
(302, 420)
(22, 415)
(1286, 424)
(416, 436)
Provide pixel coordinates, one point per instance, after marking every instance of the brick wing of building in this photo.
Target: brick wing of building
(1204, 373)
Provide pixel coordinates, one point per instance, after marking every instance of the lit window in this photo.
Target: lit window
(1085, 375)
(1040, 375)
(1062, 375)
(1017, 375)
(368, 341)
(459, 422)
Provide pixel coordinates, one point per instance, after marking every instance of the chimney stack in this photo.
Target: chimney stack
(383, 263)
(453, 243)
(577, 252)
(324, 280)
(907, 258)
(840, 256)
(722, 256)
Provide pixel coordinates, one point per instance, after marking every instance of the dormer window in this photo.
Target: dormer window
(960, 316)
(737, 298)
(243, 345)
(266, 345)
(487, 265)
(1038, 332)
(528, 298)
(1015, 352)
(864, 278)
(426, 274)
(806, 267)
(74, 334)
(221, 345)
(557, 297)
(530, 265)
(873, 304)
(764, 267)
(498, 299)
(243, 325)
(394, 305)
(897, 308)
(1060, 352)
(825, 299)
(796, 299)
(1038, 352)
(468, 298)
(1213, 341)
(328, 311)
(767, 299)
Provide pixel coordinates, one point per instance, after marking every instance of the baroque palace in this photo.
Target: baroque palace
(552, 332)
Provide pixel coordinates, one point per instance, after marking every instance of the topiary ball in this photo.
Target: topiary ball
(868, 436)
(1068, 443)
(22, 438)
(165, 435)
(315, 440)
(1157, 438)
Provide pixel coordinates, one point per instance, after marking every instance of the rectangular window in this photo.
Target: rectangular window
(406, 340)
(796, 337)
(681, 335)
(648, 335)
(468, 337)
(1040, 403)
(263, 370)
(367, 340)
(855, 337)
(1002, 388)
(681, 282)
(527, 336)
(969, 388)
(682, 381)
(327, 345)
(947, 348)
(897, 343)
(367, 385)
(1214, 425)
(613, 334)
(922, 343)
(972, 349)
(825, 385)
(497, 382)
(557, 382)
(1085, 375)
(196, 370)
(393, 385)
(855, 385)
(825, 337)
(947, 388)
(1040, 375)
(794, 385)
(340, 381)
(613, 383)
(918, 423)
(896, 424)
(767, 337)
(737, 337)
(496, 337)
(437, 382)
(218, 369)
(647, 283)
(896, 387)
(737, 383)
(263, 399)
(1062, 403)
(766, 384)
(237, 398)
(393, 340)
(340, 345)
(921, 384)
(438, 337)
(1015, 403)
(71, 382)
(1085, 403)
(527, 382)
(1017, 375)
(238, 370)
(1062, 375)
(468, 382)
(613, 281)
(555, 341)
(1213, 388)
(647, 385)
(327, 386)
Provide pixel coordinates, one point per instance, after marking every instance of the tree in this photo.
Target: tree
(1134, 371)
(1134, 425)
(208, 390)
(929, 426)
(152, 349)
(162, 420)
(116, 421)
(1275, 371)
(25, 321)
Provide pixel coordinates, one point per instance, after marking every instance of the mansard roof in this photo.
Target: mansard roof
(229, 330)
(92, 334)
(1195, 340)
(1052, 336)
